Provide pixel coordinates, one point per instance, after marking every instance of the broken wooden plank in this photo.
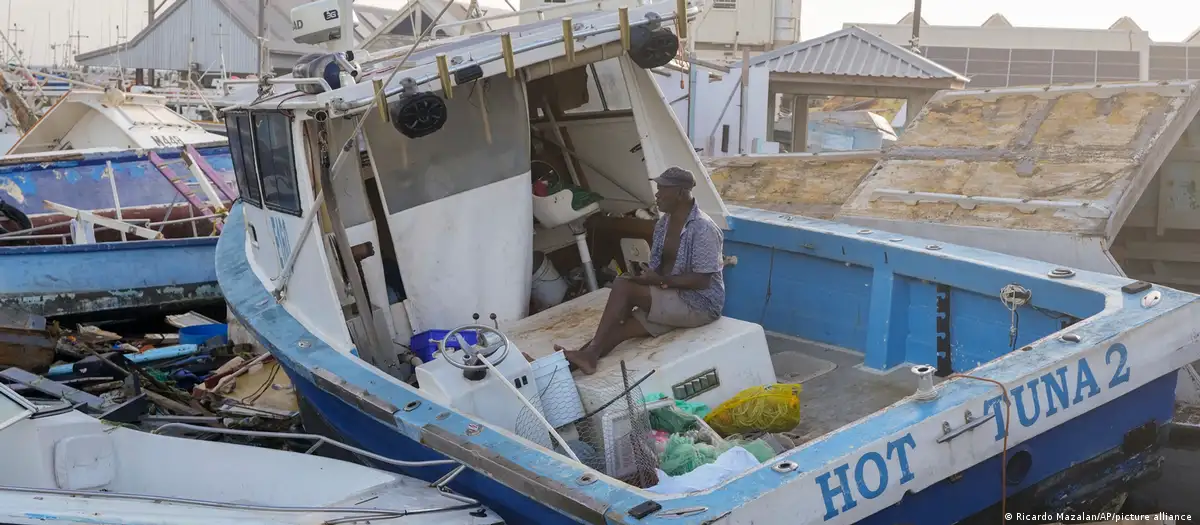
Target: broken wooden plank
(121, 226)
(92, 334)
(30, 350)
(161, 339)
(172, 405)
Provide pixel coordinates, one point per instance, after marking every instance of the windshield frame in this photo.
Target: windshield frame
(25, 407)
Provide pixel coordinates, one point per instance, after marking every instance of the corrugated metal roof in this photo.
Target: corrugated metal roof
(853, 52)
(243, 14)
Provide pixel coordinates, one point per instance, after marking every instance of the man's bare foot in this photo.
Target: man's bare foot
(582, 360)
(571, 364)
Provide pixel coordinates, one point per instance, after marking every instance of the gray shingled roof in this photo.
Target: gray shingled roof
(853, 52)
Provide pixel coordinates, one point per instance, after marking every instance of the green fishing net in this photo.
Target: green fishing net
(671, 421)
(758, 448)
(683, 455)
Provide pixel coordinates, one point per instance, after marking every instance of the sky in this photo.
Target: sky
(46, 22)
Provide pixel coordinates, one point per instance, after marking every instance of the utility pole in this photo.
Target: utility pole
(77, 36)
(149, 11)
(12, 37)
(7, 20)
(915, 43)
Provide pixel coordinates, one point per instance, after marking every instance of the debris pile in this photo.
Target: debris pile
(195, 376)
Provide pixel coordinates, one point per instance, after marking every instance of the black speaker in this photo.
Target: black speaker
(419, 114)
(651, 48)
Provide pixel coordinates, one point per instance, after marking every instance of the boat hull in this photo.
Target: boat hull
(1068, 476)
(356, 404)
(64, 280)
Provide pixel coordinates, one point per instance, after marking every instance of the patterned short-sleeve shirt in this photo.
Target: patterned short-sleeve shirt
(700, 250)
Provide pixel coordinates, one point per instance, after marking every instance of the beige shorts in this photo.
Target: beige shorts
(668, 312)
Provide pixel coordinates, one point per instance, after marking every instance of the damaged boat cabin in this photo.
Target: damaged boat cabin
(430, 217)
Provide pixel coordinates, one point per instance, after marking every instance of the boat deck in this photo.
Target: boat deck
(836, 390)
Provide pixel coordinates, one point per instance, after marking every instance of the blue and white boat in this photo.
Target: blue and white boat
(92, 224)
(942, 383)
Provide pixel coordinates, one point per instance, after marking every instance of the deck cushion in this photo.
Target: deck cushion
(84, 462)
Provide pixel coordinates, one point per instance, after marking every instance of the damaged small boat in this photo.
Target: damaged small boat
(74, 468)
(409, 198)
(111, 202)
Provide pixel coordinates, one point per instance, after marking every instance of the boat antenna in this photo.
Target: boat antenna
(21, 61)
(262, 38)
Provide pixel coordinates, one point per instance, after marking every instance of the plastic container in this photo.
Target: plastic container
(560, 399)
(425, 344)
(201, 333)
(549, 288)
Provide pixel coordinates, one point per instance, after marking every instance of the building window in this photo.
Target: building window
(724, 4)
(241, 152)
(276, 165)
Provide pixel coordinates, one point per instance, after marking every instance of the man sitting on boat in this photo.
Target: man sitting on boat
(683, 286)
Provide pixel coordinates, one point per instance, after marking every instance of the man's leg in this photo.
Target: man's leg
(625, 295)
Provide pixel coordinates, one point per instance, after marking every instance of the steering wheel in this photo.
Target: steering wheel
(482, 349)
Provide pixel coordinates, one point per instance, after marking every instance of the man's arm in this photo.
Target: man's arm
(706, 261)
(686, 281)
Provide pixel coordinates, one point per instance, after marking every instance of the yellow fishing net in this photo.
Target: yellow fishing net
(766, 408)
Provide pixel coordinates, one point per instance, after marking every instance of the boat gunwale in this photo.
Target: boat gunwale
(12, 164)
(284, 335)
(148, 244)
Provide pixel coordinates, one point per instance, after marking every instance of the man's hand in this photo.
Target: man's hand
(649, 278)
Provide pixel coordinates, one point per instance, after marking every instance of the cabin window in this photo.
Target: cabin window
(276, 165)
(241, 151)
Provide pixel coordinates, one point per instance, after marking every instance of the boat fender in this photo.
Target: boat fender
(651, 48)
(418, 114)
(12, 213)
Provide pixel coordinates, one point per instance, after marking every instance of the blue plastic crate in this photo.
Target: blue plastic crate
(425, 344)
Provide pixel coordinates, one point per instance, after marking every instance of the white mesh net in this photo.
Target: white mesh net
(613, 436)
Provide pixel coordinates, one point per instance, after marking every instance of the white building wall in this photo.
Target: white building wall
(1020, 38)
(717, 106)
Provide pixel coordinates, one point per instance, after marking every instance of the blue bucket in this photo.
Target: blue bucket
(201, 333)
(425, 344)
